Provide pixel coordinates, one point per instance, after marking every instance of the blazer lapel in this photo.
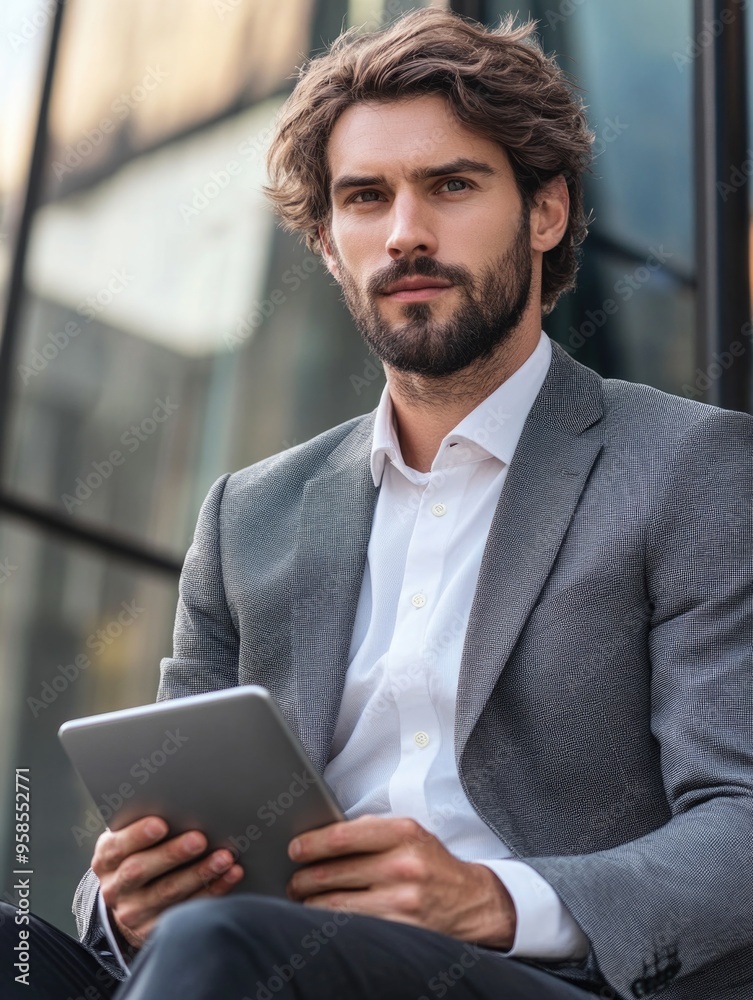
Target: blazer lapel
(560, 441)
(337, 509)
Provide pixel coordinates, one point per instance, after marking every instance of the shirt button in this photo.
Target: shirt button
(421, 739)
(438, 509)
(418, 600)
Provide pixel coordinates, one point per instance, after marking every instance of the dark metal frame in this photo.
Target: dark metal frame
(722, 215)
(104, 540)
(35, 180)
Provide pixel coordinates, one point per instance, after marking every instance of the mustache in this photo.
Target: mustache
(422, 267)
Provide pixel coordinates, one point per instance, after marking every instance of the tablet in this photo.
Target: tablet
(225, 763)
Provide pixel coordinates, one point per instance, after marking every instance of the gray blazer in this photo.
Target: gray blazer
(605, 705)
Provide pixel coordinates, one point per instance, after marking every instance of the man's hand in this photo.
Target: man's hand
(391, 867)
(137, 874)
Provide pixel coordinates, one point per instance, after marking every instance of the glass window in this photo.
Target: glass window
(151, 247)
(79, 634)
(24, 27)
(633, 313)
(134, 288)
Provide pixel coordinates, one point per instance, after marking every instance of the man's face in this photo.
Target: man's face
(429, 237)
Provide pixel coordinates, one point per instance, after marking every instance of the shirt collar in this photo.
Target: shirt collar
(491, 430)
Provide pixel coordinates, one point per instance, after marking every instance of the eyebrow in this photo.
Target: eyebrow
(463, 165)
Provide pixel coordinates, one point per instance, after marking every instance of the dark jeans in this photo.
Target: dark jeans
(258, 948)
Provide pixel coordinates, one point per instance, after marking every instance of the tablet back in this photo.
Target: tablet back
(225, 763)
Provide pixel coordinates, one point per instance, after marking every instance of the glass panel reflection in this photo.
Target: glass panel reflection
(79, 635)
(640, 189)
(640, 101)
(131, 75)
(24, 28)
(145, 254)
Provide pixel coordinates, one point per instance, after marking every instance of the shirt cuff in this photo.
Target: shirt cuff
(104, 920)
(544, 928)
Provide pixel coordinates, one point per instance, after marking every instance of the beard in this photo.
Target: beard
(492, 307)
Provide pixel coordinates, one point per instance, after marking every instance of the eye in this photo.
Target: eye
(364, 197)
(458, 184)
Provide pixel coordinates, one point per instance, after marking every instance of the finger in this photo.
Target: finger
(367, 834)
(357, 872)
(113, 847)
(221, 885)
(402, 865)
(181, 885)
(145, 867)
(138, 909)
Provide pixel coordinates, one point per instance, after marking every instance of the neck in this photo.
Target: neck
(426, 409)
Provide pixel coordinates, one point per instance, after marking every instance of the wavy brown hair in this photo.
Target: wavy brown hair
(498, 83)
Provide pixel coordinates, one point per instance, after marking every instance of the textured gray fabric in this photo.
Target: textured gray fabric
(605, 706)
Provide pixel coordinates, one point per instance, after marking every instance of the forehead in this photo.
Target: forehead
(391, 138)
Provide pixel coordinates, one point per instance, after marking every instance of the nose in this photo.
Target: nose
(411, 230)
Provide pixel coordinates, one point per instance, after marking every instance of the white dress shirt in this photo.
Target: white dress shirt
(393, 751)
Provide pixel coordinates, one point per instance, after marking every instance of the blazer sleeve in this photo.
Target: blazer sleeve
(205, 658)
(89, 926)
(677, 902)
(205, 639)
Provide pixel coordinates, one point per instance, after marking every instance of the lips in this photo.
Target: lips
(416, 289)
(414, 284)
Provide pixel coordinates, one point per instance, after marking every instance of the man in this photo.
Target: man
(509, 614)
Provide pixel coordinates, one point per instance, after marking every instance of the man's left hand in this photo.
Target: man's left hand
(391, 867)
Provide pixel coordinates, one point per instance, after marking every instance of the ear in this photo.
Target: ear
(330, 260)
(549, 214)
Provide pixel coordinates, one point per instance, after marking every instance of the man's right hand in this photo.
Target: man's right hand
(138, 880)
